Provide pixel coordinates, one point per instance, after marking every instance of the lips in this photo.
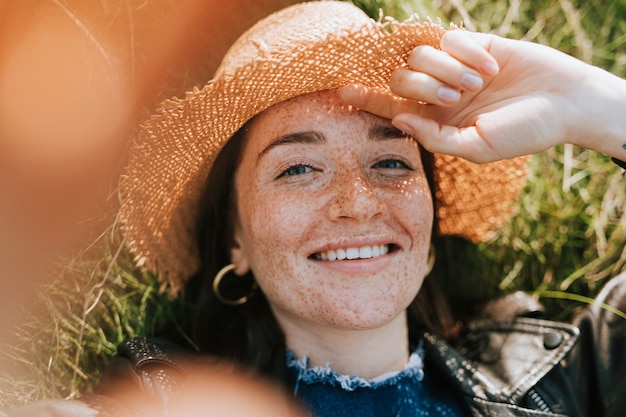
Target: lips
(362, 252)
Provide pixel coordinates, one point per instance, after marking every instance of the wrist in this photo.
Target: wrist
(601, 125)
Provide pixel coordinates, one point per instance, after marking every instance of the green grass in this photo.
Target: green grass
(97, 300)
(567, 239)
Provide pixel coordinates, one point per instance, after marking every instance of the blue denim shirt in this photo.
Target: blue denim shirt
(407, 393)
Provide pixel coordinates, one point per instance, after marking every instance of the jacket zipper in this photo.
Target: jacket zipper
(543, 406)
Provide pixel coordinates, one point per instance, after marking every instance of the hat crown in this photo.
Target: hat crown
(299, 24)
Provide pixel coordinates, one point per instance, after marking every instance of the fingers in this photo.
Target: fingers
(423, 87)
(440, 76)
(472, 49)
(404, 115)
(376, 102)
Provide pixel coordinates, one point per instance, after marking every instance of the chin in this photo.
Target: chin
(364, 317)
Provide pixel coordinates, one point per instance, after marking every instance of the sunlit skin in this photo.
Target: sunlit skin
(319, 176)
(495, 98)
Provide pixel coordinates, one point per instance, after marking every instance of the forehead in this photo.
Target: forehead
(321, 110)
(326, 101)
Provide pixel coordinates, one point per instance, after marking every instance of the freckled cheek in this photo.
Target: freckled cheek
(275, 221)
(269, 229)
(411, 201)
(417, 213)
(275, 226)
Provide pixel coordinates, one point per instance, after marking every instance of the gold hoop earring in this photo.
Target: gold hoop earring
(216, 287)
(432, 256)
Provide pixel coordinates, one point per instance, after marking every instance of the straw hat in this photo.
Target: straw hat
(301, 49)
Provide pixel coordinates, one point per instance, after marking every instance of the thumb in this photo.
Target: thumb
(383, 104)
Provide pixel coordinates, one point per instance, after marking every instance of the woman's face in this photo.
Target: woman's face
(334, 213)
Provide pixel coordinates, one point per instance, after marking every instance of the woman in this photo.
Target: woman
(306, 220)
(327, 210)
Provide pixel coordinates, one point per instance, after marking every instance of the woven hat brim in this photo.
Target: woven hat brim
(175, 149)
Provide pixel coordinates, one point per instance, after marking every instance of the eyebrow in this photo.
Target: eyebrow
(310, 137)
(382, 132)
(377, 133)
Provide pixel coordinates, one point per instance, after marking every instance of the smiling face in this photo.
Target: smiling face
(334, 214)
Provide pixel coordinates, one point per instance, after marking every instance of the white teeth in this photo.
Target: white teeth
(364, 252)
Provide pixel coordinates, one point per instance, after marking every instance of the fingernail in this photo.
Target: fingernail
(471, 81)
(403, 127)
(448, 95)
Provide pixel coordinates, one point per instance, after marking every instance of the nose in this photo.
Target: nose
(355, 199)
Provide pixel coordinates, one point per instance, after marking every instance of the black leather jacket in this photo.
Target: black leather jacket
(518, 366)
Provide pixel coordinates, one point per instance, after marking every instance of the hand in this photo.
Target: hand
(490, 98)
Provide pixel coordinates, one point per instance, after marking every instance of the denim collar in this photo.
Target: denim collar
(318, 374)
(325, 393)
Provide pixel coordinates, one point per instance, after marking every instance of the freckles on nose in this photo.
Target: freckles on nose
(354, 198)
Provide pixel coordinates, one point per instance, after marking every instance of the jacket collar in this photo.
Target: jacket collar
(501, 360)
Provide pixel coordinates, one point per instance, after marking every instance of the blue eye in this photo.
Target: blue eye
(391, 164)
(297, 169)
